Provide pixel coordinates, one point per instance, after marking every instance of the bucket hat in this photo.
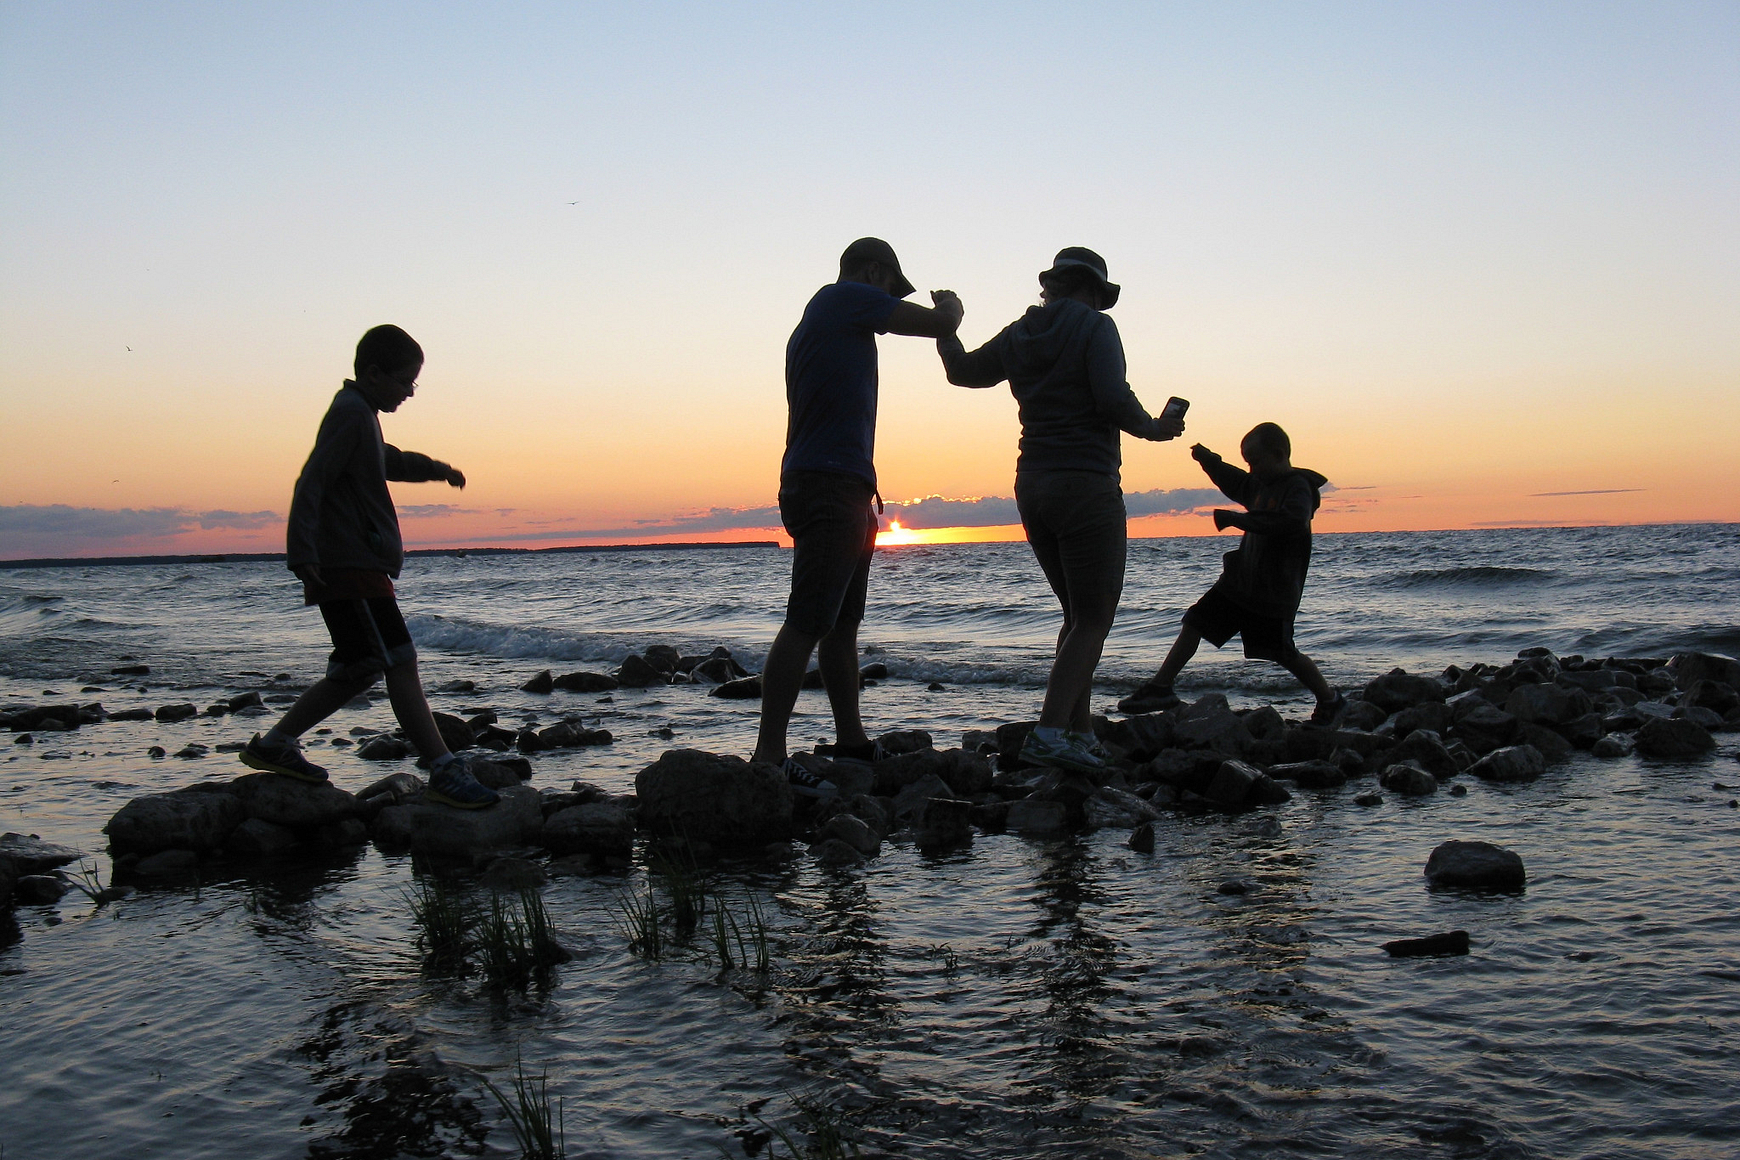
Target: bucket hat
(1080, 257)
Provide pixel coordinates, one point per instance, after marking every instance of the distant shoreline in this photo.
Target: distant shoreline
(267, 557)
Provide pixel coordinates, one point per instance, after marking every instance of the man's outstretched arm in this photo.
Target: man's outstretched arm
(936, 322)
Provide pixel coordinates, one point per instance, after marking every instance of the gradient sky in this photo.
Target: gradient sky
(1482, 260)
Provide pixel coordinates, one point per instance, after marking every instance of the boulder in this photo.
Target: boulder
(1476, 866)
(1011, 737)
(1310, 774)
(909, 802)
(1715, 696)
(1142, 838)
(1264, 723)
(1036, 817)
(586, 683)
(542, 682)
(1553, 746)
(1510, 763)
(42, 718)
(284, 801)
(1238, 784)
(396, 786)
(498, 773)
(969, 773)
(1590, 680)
(943, 823)
(1431, 715)
(1690, 668)
(424, 827)
(257, 839)
(8, 880)
(1424, 748)
(714, 670)
(1584, 731)
(571, 734)
(1615, 745)
(29, 854)
(166, 864)
(456, 732)
(510, 875)
(833, 852)
(663, 657)
(383, 747)
(849, 778)
(603, 828)
(1110, 808)
(342, 833)
(992, 817)
(1673, 740)
(38, 890)
(1453, 942)
(1363, 716)
(1549, 705)
(714, 798)
(1224, 732)
(1398, 690)
(853, 831)
(636, 672)
(1141, 737)
(1408, 779)
(179, 712)
(180, 820)
(1485, 727)
(742, 689)
(904, 741)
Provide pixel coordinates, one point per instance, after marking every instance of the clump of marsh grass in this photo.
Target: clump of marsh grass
(643, 924)
(740, 938)
(687, 888)
(513, 940)
(88, 880)
(444, 920)
(825, 1127)
(540, 1135)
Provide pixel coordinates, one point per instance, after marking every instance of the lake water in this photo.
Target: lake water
(1013, 998)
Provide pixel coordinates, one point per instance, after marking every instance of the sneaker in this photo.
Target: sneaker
(1149, 698)
(866, 757)
(285, 759)
(807, 783)
(1060, 751)
(453, 785)
(1327, 714)
(1089, 742)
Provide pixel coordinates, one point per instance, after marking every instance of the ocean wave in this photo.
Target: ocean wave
(1486, 575)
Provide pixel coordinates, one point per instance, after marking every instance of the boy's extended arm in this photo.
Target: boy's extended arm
(337, 441)
(1234, 482)
(1113, 398)
(415, 467)
(1292, 518)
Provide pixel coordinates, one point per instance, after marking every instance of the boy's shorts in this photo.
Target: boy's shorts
(368, 637)
(833, 531)
(1267, 636)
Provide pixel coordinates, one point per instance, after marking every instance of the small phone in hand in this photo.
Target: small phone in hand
(1175, 408)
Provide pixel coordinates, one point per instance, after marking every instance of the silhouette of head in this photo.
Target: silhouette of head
(1078, 268)
(387, 363)
(872, 260)
(1267, 448)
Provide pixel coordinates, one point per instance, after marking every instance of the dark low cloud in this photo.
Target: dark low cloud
(426, 511)
(224, 519)
(1593, 491)
(60, 529)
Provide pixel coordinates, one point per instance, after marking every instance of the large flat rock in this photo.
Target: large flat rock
(425, 827)
(714, 798)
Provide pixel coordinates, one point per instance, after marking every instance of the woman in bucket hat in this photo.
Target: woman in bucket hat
(1064, 363)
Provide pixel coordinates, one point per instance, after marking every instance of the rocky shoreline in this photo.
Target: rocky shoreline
(1403, 734)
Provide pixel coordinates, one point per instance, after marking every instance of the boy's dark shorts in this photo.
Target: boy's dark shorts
(833, 531)
(368, 637)
(1218, 618)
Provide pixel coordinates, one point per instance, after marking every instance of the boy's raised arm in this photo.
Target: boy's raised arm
(1234, 482)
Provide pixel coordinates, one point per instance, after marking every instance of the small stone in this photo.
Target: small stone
(1458, 791)
(1233, 886)
(383, 747)
(583, 683)
(1509, 764)
(1142, 838)
(1036, 817)
(38, 890)
(1477, 866)
(1452, 943)
(1615, 745)
(1369, 799)
(833, 852)
(179, 712)
(742, 689)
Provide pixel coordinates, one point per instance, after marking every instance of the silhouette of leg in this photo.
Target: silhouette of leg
(781, 679)
(1072, 674)
(837, 656)
(1182, 650)
(1306, 670)
(324, 698)
(411, 707)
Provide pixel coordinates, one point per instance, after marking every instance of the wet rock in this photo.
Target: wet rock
(1475, 866)
(942, 824)
(581, 682)
(284, 801)
(1409, 780)
(1363, 716)
(979, 740)
(1715, 696)
(130, 670)
(742, 689)
(498, 774)
(42, 718)
(1036, 817)
(570, 735)
(855, 832)
(1142, 737)
(715, 670)
(38, 890)
(662, 657)
(510, 875)
(969, 773)
(636, 672)
(1116, 809)
(602, 828)
(1592, 680)
(874, 671)
(1453, 942)
(1615, 745)
(1310, 774)
(542, 682)
(1583, 732)
(1510, 764)
(1142, 838)
(156, 751)
(1398, 690)
(904, 741)
(1224, 732)
(910, 801)
(833, 852)
(1369, 798)
(1431, 715)
(139, 714)
(456, 732)
(1237, 785)
(1423, 748)
(178, 820)
(1264, 723)
(991, 817)
(1552, 745)
(1547, 704)
(395, 786)
(191, 750)
(179, 712)
(342, 833)
(166, 864)
(383, 747)
(1485, 727)
(255, 838)
(1011, 737)
(1697, 714)
(1673, 740)
(29, 854)
(714, 798)
(423, 827)
(1690, 668)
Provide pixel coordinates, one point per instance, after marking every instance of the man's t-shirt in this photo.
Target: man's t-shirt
(830, 381)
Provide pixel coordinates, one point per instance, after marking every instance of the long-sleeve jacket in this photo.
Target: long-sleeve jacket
(1065, 366)
(1266, 572)
(341, 515)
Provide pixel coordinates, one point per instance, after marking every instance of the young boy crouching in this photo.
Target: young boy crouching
(1263, 579)
(344, 546)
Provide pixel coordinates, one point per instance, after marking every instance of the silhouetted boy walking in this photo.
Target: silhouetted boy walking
(1263, 579)
(344, 546)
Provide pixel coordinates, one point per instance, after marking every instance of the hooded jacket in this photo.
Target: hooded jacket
(341, 514)
(1065, 366)
(1266, 572)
